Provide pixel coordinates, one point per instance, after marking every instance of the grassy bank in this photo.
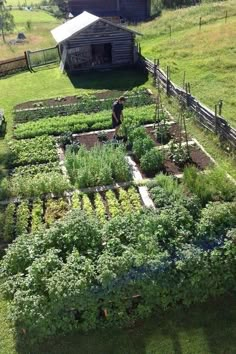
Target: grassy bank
(207, 56)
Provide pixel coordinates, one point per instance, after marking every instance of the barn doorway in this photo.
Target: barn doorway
(101, 54)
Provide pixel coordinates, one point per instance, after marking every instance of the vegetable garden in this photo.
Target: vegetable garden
(118, 228)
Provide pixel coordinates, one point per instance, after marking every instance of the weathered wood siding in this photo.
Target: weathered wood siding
(133, 10)
(121, 40)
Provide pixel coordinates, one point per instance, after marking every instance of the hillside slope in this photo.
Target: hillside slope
(207, 56)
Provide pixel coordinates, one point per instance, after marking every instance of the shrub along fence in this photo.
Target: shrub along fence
(210, 120)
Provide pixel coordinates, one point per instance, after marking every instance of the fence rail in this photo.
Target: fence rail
(206, 117)
(13, 65)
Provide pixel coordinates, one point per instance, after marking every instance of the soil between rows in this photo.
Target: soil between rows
(52, 102)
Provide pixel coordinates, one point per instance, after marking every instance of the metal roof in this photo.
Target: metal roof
(78, 24)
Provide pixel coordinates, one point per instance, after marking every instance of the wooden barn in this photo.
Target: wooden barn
(131, 10)
(90, 42)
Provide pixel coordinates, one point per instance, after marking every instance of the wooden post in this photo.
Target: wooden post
(184, 79)
(200, 23)
(216, 119)
(226, 16)
(155, 73)
(168, 81)
(27, 61)
(220, 107)
(170, 31)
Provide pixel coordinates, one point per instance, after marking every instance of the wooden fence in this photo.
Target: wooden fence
(207, 118)
(13, 65)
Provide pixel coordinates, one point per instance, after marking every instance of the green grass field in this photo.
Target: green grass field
(208, 57)
(23, 2)
(38, 36)
(208, 328)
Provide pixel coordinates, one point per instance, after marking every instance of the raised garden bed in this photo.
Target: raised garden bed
(58, 101)
(64, 106)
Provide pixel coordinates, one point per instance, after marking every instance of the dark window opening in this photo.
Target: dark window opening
(101, 54)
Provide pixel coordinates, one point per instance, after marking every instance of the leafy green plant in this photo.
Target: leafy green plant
(125, 204)
(65, 139)
(211, 185)
(216, 219)
(83, 123)
(179, 154)
(152, 162)
(75, 200)
(37, 185)
(87, 104)
(113, 204)
(101, 165)
(134, 198)
(162, 134)
(22, 218)
(141, 146)
(37, 150)
(55, 209)
(152, 254)
(87, 205)
(31, 170)
(37, 215)
(9, 222)
(100, 209)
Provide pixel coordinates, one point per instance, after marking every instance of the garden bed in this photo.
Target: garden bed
(198, 159)
(58, 101)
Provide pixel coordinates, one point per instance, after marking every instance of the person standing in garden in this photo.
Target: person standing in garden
(117, 114)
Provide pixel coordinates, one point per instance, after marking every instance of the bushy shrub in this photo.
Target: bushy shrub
(60, 279)
(211, 185)
(216, 219)
(142, 145)
(102, 165)
(152, 161)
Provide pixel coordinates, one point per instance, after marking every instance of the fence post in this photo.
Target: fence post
(188, 93)
(27, 61)
(170, 31)
(220, 107)
(226, 16)
(184, 79)
(200, 23)
(155, 73)
(168, 81)
(216, 119)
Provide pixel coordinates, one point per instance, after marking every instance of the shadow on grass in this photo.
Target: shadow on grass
(207, 328)
(119, 79)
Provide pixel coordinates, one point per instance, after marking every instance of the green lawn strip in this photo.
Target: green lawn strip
(23, 2)
(203, 329)
(22, 16)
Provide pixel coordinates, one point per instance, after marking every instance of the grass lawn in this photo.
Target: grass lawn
(23, 2)
(208, 328)
(208, 57)
(38, 36)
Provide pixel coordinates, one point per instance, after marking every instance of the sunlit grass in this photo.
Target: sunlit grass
(208, 57)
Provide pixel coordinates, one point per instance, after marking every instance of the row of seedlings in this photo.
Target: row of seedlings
(30, 215)
(109, 204)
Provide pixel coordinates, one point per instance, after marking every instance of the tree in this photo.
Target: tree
(6, 20)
